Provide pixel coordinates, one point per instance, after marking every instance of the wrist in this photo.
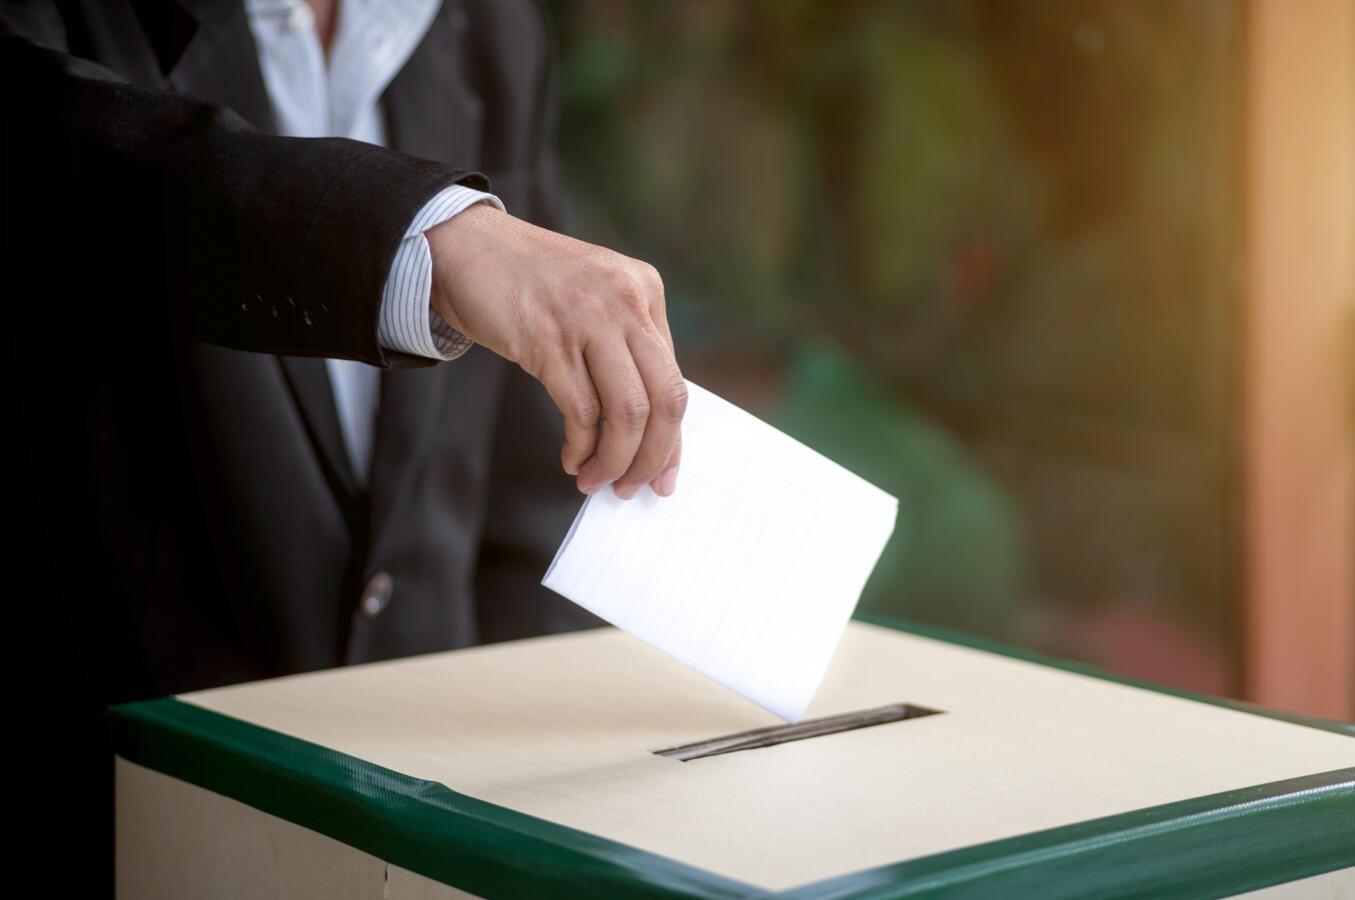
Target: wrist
(452, 245)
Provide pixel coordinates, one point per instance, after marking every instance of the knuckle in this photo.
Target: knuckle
(651, 287)
(633, 408)
(649, 276)
(587, 411)
(629, 286)
(674, 402)
(631, 296)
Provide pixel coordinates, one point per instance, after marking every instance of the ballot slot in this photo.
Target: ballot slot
(783, 734)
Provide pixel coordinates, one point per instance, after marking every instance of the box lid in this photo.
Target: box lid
(528, 769)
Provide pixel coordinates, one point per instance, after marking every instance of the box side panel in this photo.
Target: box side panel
(402, 884)
(178, 840)
(1331, 886)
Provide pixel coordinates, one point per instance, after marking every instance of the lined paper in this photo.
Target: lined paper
(749, 572)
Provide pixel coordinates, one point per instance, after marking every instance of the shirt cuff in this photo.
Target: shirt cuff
(407, 323)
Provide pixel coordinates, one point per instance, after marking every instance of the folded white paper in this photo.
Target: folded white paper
(749, 572)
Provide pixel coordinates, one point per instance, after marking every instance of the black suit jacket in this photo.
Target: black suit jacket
(172, 276)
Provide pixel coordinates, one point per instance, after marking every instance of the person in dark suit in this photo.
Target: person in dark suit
(174, 274)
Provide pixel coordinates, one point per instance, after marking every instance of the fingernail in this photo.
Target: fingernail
(668, 483)
(586, 488)
(625, 493)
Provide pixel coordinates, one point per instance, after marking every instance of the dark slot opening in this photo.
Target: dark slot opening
(781, 734)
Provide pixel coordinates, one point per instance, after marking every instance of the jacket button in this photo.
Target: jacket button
(376, 596)
(312, 312)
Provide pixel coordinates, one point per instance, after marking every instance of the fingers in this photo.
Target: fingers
(625, 409)
(571, 389)
(666, 483)
(658, 311)
(667, 398)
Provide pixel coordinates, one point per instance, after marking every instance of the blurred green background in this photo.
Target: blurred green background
(981, 252)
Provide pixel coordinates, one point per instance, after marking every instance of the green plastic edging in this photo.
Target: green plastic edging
(418, 825)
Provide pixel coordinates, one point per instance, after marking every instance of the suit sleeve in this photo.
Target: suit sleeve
(185, 219)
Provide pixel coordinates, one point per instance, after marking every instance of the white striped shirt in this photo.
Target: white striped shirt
(372, 41)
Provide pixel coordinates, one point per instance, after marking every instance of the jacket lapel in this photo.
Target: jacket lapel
(442, 124)
(407, 423)
(219, 62)
(314, 396)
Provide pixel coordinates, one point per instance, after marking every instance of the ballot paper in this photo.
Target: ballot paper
(749, 572)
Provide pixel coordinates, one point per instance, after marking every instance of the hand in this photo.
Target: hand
(586, 322)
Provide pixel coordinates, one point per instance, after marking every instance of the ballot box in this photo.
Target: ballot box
(591, 765)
